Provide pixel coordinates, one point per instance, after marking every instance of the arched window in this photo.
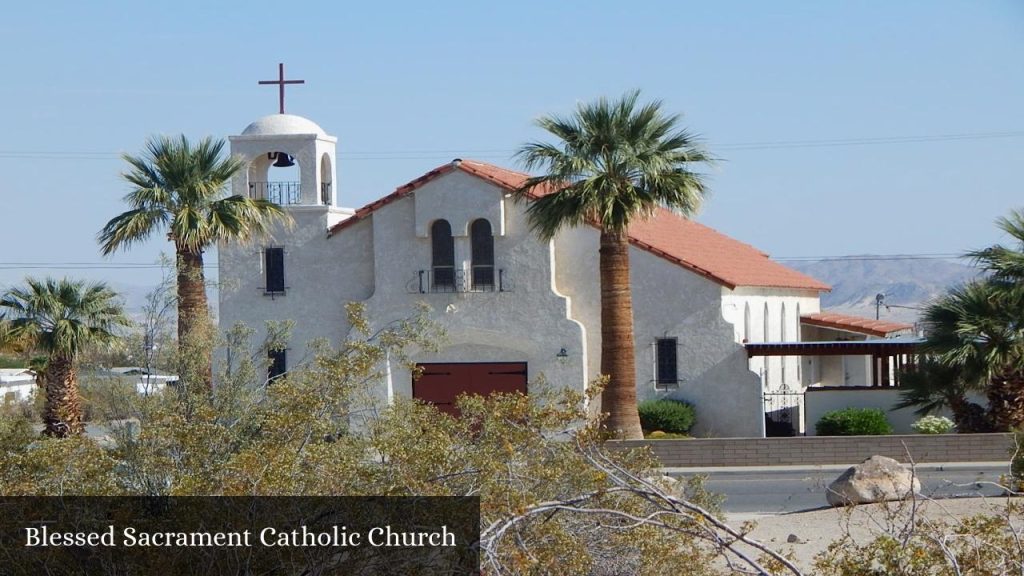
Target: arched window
(325, 180)
(746, 331)
(782, 334)
(746, 322)
(482, 255)
(767, 359)
(799, 359)
(442, 257)
(782, 323)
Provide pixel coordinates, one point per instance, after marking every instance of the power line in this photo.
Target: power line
(211, 265)
(873, 140)
(87, 266)
(869, 257)
(505, 153)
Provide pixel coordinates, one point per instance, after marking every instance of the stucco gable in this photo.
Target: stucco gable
(460, 199)
(680, 240)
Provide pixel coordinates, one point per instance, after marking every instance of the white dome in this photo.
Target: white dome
(280, 124)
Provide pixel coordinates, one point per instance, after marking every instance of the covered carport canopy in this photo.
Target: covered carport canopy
(881, 351)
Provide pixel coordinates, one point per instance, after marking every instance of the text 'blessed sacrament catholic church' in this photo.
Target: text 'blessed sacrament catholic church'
(516, 309)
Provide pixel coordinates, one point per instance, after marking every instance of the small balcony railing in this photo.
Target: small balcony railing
(442, 279)
(283, 193)
(325, 193)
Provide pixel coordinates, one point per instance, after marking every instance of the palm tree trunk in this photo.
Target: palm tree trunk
(1006, 400)
(62, 415)
(969, 417)
(618, 353)
(194, 345)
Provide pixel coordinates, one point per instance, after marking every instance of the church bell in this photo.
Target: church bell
(282, 160)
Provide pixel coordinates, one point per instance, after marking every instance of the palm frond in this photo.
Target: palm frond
(977, 328)
(62, 316)
(615, 162)
(130, 227)
(177, 184)
(931, 386)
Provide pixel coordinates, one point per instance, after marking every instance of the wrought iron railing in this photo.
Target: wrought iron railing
(325, 193)
(283, 193)
(482, 279)
(447, 279)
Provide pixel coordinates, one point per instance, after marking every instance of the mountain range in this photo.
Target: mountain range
(908, 284)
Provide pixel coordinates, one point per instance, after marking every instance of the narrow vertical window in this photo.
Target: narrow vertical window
(746, 322)
(482, 247)
(767, 359)
(666, 351)
(443, 256)
(799, 359)
(278, 364)
(782, 323)
(782, 336)
(274, 259)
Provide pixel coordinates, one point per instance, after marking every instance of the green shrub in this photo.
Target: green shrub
(853, 422)
(933, 425)
(672, 416)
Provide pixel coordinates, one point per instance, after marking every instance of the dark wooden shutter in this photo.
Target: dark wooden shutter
(667, 361)
(275, 270)
(443, 256)
(482, 247)
(278, 363)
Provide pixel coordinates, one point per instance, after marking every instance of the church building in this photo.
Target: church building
(516, 310)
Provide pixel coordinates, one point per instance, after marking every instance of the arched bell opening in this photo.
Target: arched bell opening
(275, 176)
(326, 192)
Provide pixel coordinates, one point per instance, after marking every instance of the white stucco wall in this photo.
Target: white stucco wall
(852, 370)
(309, 152)
(778, 372)
(819, 402)
(669, 302)
(551, 299)
(321, 274)
(528, 322)
(17, 388)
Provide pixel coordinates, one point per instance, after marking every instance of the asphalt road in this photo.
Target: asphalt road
(779, 490)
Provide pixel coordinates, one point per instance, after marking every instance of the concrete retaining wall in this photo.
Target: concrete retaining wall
(811, 450)
(819, 401)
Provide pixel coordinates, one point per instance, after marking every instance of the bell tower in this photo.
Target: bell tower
(284, 141)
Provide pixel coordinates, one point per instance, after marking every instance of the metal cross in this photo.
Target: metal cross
(281, 82)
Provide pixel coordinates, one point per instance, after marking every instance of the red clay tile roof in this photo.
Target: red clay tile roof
(856, 324)
(691, 245)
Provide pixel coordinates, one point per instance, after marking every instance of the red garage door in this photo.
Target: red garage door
(440, 384)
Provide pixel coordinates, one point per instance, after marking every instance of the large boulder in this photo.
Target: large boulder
(876, 479)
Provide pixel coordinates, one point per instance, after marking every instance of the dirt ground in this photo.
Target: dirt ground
(807, 534)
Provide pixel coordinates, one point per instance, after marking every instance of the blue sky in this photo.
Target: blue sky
(406, 86)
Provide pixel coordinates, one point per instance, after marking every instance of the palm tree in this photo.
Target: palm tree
(180, 187)
(10, 342)
(1006, 351)
(974, 336)
(976, 329)
(1005, 263)
(931, 386)
(616, 163)
(60, 318)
